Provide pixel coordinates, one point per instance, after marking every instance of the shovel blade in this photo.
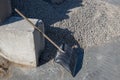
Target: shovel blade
(68, 59)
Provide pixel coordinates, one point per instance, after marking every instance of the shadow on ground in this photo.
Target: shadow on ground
(50, 14)
(59, 36)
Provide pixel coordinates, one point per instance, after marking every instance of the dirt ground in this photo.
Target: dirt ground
(4, 67)
(86, 23)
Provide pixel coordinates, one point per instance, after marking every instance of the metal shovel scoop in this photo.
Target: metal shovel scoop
(68, 59)
(65, 55)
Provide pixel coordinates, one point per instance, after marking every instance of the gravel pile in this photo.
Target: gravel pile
(83, 22)
(91, 22)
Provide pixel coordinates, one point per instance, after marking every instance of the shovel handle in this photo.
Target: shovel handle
(39, 30)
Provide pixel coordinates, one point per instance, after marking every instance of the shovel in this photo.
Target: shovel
(65, 55)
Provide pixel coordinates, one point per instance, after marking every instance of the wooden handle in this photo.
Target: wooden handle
(39, 30)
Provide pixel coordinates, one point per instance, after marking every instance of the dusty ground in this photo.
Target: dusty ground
(86, 23)
(4, 67)
(99, 63)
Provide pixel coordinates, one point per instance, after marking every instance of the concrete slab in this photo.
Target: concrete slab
(20, 42)
(100, 63)
(103, 62)
(5, 9)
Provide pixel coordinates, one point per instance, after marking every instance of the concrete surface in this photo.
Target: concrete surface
(20, 42)
(115, 2)
(99, 63)
(5, 9)
(83, 22)
(103, 62)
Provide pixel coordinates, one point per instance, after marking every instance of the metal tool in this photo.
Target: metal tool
(65, 55)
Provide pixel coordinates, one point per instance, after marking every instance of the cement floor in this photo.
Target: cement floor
(99, 63)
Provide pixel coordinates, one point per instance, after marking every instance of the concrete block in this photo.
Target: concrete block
(5, 9)
(20, 42)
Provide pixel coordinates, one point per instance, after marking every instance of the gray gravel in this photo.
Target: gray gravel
(92, 22)
(86, 23)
